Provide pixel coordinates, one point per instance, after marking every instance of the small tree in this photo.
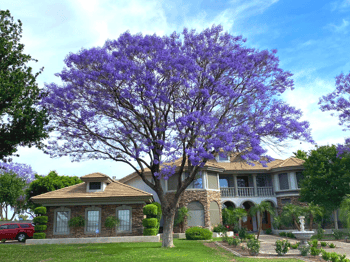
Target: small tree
(112, 222)
(40, 223)
(150, 222)
(182, 215)
(264, 206)
(291, 212)
(312, 211)
(76, 222)
(345, 211)
(159, 213)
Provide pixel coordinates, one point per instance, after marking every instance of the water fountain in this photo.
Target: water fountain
(303, 235)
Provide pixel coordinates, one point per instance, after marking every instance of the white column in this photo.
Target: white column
(235, 184)
(255, 187)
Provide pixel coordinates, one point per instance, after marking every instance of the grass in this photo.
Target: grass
(185, 250)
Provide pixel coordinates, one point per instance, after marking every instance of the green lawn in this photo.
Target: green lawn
(185, 250)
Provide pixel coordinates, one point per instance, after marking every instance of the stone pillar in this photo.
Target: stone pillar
(255, 187)
(235, 185)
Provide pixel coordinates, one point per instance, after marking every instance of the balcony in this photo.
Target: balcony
(246, 192)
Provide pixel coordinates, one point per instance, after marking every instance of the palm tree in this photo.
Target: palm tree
(239, 213)
(183, 213)
(293, 211)
(345, 211)
(313, 210)
(264, 206)
(230, 215)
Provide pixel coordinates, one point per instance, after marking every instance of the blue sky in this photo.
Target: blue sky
(312, 39)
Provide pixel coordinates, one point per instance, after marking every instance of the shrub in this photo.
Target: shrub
(282, 247)
(314, 243)
(250, 236)
(326, 255)
(320, 232)
(295, 246)
(40, 220)
(290, 234)
(242, 233)
(331, 245)
(253, 246)
(159, 214)
(40, 211)
(3, 240)
(233, 241)
(39, 235)
(150, 222)
(220, 229)
(334, 257)
(112, 221)
(225, 238)
(77, 221)
(304, 251)
(314, 251)
(268, 231)
(323, 244)
(40, 227)
(150, 210)
(338, 234)
(282, 234)
(198, 233)
(150, 231)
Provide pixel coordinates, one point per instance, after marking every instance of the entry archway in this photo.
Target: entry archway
(214, 213)
(267, 218)
(247, 222)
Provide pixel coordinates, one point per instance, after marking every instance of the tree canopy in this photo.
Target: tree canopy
(326, 178)
(21, 121)
(44, 184)
(150, 100)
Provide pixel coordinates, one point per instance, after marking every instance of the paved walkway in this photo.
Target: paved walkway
(267, 245)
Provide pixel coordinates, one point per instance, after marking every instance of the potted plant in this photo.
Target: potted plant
(112, 222)
(76, 222)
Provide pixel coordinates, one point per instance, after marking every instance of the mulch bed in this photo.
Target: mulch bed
(245, 253)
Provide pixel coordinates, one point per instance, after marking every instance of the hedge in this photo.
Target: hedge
(150, 231)
(198, 233)
(150, 210)
(39, 235)
(40, 211)
(40, 227)
(40, 220)
(150, 223)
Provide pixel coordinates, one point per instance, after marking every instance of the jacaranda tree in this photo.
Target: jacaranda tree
(150, 100)
(339, 101)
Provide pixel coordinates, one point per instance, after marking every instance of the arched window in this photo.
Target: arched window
(214, 213)
(196, 212)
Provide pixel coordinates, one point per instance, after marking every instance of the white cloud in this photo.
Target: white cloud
(342, 28)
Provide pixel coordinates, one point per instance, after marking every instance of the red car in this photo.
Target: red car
(16, 231)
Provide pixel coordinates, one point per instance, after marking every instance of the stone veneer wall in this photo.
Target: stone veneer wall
(202, 196)
(106, 210)
(294, 201)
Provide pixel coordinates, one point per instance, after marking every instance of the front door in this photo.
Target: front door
(266, 220)
(248, 224)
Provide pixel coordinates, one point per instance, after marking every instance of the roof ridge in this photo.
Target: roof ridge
(134, 188)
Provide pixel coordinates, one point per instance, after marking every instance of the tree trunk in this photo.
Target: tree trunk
(311, 222)
(296, 224)
(168, 227)
(335, 219)
(260, 226)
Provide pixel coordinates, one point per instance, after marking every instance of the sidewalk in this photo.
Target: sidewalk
(267, 246)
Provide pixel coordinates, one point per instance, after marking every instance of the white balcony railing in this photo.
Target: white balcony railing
(246, 191)
(265, 191)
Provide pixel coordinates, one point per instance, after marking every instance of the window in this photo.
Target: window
(95, 185)
(172, 182)
(212, 181)
(24, 225)
(92, 220)
(13, 226)
(300, 177)
(3, 227)
(124, 216)
(223, 182)
(197, 182)
(61, 225)
(223, 158)
(283, 179)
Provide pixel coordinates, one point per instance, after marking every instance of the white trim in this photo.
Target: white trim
(61, 209)
(103, 187)
(124, 207)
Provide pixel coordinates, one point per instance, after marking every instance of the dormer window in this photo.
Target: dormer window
(222, 158)
(95, 186)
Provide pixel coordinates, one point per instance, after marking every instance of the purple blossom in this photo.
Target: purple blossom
(21, 170)
(168, 97)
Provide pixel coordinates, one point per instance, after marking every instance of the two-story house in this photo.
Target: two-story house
(230, 181)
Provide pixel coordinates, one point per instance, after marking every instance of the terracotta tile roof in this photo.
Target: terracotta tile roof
(114, 189)
(93, 175)
(237, 163)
